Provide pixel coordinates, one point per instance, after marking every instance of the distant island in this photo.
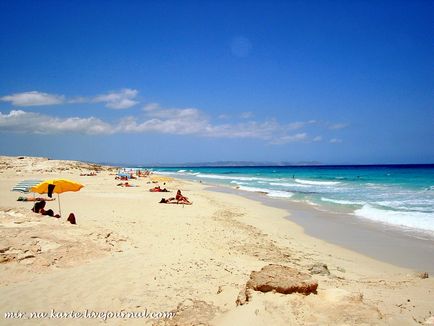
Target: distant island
(227, 164)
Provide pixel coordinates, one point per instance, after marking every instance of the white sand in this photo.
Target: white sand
(130, 253)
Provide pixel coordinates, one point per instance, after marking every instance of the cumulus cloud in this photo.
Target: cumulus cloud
(291, 138)
(156, 119)
(151, 107)
(123, 99)
(195, 121)
(166, 121)
(300, 124)
(30, 122)
(335, 140)
(33, 98)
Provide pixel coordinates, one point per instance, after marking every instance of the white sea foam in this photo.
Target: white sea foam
(286, 184)
(182, 171)
(224, 177)
(280, 194)
(239, 182)
(269, 192)
(317, 183)
(414, 220)
(165, 172)
(406, 203)
(253, 189)
(342, 202)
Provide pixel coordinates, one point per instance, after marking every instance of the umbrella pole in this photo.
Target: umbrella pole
(58, 198)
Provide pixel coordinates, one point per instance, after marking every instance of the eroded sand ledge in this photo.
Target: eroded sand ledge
(130, 253)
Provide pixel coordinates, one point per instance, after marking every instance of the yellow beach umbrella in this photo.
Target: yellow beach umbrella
(60, 186)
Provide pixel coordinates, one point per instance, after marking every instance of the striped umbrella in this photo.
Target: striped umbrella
(25, 185)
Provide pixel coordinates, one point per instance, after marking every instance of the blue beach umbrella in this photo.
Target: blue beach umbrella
(25, 185)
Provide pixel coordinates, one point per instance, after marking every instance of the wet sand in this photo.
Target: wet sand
(382, 242)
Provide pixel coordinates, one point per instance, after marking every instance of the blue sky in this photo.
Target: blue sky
(197, 81)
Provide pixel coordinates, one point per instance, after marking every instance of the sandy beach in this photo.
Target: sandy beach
(129, 253)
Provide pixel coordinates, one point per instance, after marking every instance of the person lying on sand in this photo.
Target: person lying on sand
(125, 184)
(158, 189)
(173, 200)
(170, 200)
(30, 198)
(39, 208)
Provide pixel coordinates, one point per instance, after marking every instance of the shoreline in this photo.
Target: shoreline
(128, 252)
(379, 241)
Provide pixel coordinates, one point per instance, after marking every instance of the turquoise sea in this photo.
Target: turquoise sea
(398, 195)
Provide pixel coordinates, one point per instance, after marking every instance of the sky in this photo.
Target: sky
(145, 82)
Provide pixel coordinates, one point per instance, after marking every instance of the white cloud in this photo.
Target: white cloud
(30, 122)
(123, 99)
(79, 99)
(338, 126)
(33, 98)
(251, 129)
(155, 119)
(167, 121)
(151, 107)
(188, 113)
(300, 124)
(335, 140)
(291, 138)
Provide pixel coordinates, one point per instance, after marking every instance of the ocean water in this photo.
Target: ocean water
(398, 195)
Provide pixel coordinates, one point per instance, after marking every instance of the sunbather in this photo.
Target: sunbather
(30, 198)
(39, 208)
(158, 189)
(126, 184)
(173, 200)
(170, 200)
(180, 197)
